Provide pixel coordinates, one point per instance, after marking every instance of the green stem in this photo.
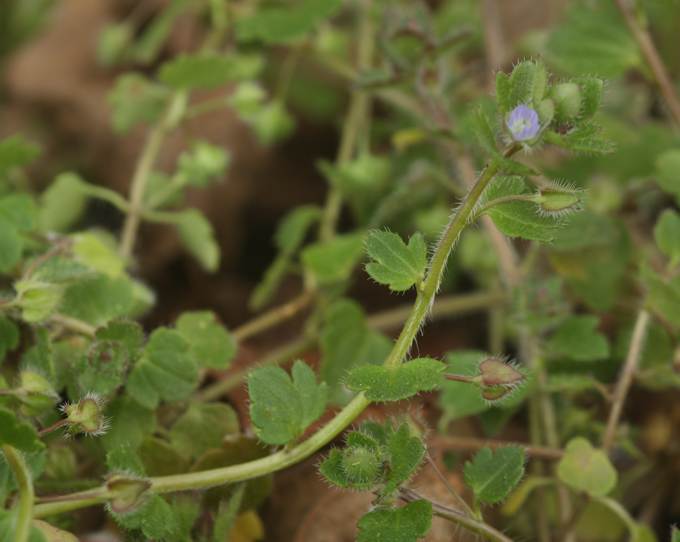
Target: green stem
(354, 121)
(143, 172)
(287, 457)
(22, 526)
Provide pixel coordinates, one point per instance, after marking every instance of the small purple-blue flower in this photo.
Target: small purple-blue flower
(522, 123)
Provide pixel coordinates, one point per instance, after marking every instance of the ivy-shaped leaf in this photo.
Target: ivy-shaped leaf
(281, 408)
(202, 427)
(406, 453)
(135, 99)
(395, 263)
(165, 371)
(585, 468)
(406, 524)
(577, 338)
(198, 237)
(381, 383)
(210, 344)
(493, 475)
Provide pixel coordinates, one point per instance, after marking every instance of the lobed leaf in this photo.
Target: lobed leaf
(333, 261)
(18, 433)
(396, 264)
(210, 344)
(585, 468)
(381, 383)
(281, 408)
(208, 70)
(406, 524)
(166, 370)
(493, 475)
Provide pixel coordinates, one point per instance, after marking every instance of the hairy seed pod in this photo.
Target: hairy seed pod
(567, 98)
(362, 465)
(498, 372)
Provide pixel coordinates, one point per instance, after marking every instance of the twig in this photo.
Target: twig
(626, 376)
(653, 58)
(472, 444)
(22, 524)
(483, 529)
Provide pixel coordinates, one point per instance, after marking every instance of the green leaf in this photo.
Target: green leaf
(63, 203)
(283, 24)
(406, 524)
(202, 427)
(668, 172)
(503, 90)
(130, 423)
(198, 238)
(518, 218)
(381, 383)
(663, 296)
(585, 468)
(667, 234)
(11, 246)
(37, 299)
(281, 408)
(208, 70)
(396, 264)
(9, 336)
(166, 370)
(98, 252)
(346, 342)
(99, 299)
(155, 519)
(18, 433)
(593, 40)
(333, 261)
(586, 138)
(271, 122)
(210, 344)
(51, 533)
(406, 453)
(134, 100)
(578, 339)
(226, 515)
(493, 475)
(203, 164)
(103, 367)
(15, 152)
(522, 83)
(155, 34)
(19, 210)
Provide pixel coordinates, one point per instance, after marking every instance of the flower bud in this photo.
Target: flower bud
(558, 200)
(127, 492)
(86, 416)
(498, 372)
(567, 98)
(546, 111)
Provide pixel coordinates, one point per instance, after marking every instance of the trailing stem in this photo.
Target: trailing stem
(289, 456)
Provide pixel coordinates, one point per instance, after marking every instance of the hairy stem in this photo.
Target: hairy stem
(628, 371)
(446, 306)
(479, 527)
(22, 525)
(294, 454)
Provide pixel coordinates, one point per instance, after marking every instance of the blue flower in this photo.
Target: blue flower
(523, 123)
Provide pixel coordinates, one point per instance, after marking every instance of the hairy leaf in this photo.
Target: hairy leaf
(201, 427)
(208, 70)
(18, 433)
(493, 475)
(667, 234)
(211, 345)
(281, 408)
(406, 524)
(381, 383)
(166, 371)
(577, 338)
(333, 261)
(396, 264)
